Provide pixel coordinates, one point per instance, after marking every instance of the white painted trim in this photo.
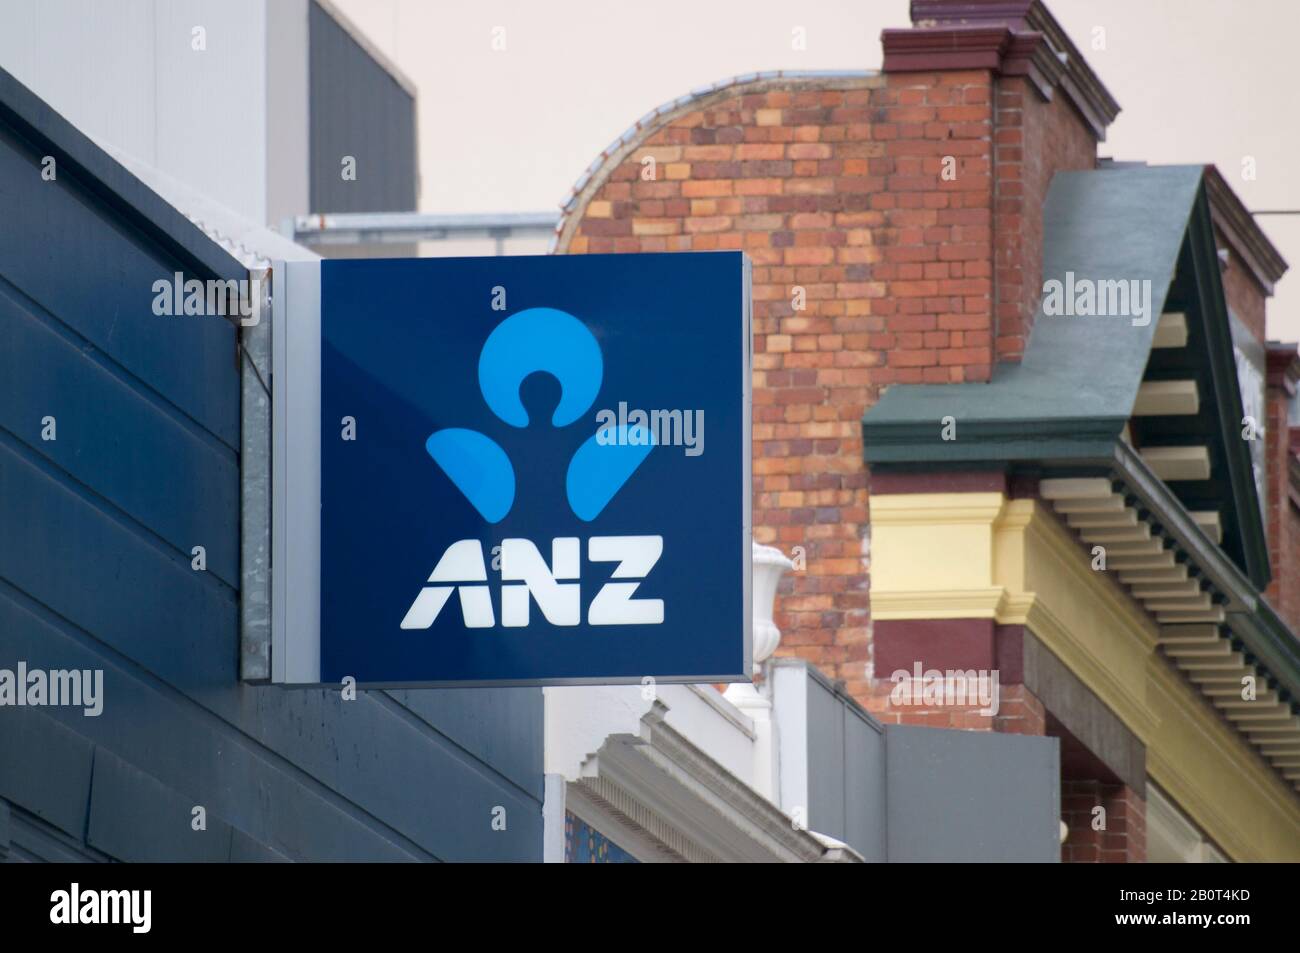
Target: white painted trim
(789, 689)
(553, 813)
(718, 702)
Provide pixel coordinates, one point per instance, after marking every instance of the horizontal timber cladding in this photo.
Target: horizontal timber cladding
(96, 575)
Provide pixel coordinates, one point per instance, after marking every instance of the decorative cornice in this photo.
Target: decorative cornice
(1171, 774)
(1239, 228)
(661, 788)
(1040, 578)
(915, 51)
(1010, 37)
(932, 508)
(988, 603)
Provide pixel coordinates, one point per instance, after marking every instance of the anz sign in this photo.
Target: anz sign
(547, 341)
(461, 495)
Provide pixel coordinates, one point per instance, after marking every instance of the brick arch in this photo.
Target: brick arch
(832, 185)
(674, 112)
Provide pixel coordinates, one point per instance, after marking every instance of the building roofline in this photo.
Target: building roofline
(1239, 228)
(368, 45)
(612, 155)
(1012, 37)
(1283, 366)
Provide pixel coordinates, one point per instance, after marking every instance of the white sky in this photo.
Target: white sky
(1198, 80)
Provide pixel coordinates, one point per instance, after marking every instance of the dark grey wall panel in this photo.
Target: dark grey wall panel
(959, 796)
(825, 761)
(133, 815)
(54, 244)
(45, 767)
(95, 574)
(497, 725)
(903, 793)
(31, 840)
(358, 110)
(55, 378)
(864, 785)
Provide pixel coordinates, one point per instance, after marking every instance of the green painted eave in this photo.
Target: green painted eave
(1067, 402)
(1075, 388)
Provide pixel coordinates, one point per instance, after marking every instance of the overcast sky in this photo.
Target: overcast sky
(511, 130)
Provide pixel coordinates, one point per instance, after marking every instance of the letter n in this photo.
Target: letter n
(522, 563)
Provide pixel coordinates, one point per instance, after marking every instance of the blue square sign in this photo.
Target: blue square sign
(531, 470)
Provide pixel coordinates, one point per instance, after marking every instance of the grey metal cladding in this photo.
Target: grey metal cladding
(967, 796)
(906, 793)
(846, 770)
(95, 573)
(357, 109)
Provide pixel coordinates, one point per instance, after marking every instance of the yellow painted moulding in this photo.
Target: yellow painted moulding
(982, 556)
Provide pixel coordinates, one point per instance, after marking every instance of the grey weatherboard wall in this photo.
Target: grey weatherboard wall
(96, 531)
(357, 109)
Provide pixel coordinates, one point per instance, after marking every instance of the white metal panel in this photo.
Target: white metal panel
(287, 110)
(295, 474)
(92, 61)
(212, 103)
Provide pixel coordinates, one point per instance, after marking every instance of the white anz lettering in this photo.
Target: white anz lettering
(526, 578)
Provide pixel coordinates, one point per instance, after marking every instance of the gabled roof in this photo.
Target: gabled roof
(1067, 412)
(1069, 401)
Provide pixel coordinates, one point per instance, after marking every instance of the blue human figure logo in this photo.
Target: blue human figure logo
(557, 343)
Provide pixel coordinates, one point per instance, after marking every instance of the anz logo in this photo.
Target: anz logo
(557, 343)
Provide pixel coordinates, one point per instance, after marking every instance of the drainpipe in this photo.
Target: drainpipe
(769, 565)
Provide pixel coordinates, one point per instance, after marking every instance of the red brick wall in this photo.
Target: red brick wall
(1019, 711)
(1035, 140)
(1288, 571)
(1244, 294)
(1282, 518)
(838, 187)
(1124, 838)
(833, 187)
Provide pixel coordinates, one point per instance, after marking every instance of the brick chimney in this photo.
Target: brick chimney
(1282, 509)
(1050, 111)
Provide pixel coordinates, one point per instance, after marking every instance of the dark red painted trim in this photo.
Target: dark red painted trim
(915, 51)
(939, 481)
(1009, 37)
(947, 644)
